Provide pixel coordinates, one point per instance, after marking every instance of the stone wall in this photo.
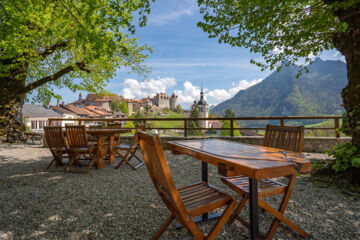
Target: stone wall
(311, 144)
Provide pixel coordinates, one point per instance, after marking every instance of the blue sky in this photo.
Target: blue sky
(184, 58)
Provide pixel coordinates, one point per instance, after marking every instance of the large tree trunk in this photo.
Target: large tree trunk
(11, 102)
(348, 43)
(11, 124)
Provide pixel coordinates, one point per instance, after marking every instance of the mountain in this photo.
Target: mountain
(317, 92)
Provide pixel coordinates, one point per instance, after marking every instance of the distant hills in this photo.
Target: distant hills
(282, 94)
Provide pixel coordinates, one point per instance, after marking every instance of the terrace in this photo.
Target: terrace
(123, 204)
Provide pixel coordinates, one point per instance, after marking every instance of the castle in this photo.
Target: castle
(161, 101)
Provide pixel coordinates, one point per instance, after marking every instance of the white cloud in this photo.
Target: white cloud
(219, 95)
(188, 95)
(171, 16)
(215, 96)
(140, 89)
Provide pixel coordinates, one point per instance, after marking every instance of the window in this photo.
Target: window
(41, 124)
(33, 124)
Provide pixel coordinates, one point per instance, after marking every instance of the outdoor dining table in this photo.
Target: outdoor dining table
(233, 158)
(101, 135)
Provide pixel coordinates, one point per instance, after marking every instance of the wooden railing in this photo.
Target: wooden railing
(185, 121)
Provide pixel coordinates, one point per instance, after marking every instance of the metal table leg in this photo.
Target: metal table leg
(205, 216)
(254, 209)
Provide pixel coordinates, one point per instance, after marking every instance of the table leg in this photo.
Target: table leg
(111, 152)
(99, 155)
(204, 177)
(254, 209)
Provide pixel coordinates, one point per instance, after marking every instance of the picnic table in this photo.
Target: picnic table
(233, 158)
(101, 135)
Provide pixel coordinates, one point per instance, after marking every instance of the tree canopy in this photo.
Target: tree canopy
(282, 31)
(118, 105)
(227, 132)
(65, 43)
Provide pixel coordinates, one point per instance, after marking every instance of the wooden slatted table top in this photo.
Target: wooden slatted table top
(257, 162)
(106, 131)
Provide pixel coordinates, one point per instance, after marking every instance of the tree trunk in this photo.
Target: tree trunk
(11, 102)
(11, 124)
(348, 43)
(351, 98)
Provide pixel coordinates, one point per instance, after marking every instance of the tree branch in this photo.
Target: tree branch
(51, 49)
(55, 76)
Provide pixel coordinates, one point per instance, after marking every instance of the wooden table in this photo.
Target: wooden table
(101, 135)
(233, 158)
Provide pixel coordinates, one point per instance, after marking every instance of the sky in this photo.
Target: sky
(185, 59)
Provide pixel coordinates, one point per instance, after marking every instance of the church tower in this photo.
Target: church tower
(203, 109)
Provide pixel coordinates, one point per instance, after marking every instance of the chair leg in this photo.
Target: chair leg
(239, 208)
(194, 229)
(73, 158)
(93, 157)
(221, 222)
(124, 159)
(163, 227)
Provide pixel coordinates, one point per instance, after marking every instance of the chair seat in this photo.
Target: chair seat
(266, 187)
(126, 146)
(58, 149)
(196, 196)
(83, 149)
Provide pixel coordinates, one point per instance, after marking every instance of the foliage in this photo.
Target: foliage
(138, 114)
(118, 105)
(73, 44)
(195, 113)
(130, 124)
(282, 31)
(346, 155)
(229, 113)
(179, 109)
(227, 132)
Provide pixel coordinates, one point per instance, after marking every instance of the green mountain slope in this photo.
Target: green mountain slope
(282, 94)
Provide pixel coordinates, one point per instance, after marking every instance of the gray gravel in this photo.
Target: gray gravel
(123, 204)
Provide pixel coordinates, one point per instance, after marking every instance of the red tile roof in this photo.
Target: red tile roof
(98, 111)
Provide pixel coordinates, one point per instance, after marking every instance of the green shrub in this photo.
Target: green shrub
(346, 155)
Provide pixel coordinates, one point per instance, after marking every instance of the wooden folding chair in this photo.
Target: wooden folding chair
(57, 145)
(286, 138)
(187, 202)
(78, 145)
(130, 150)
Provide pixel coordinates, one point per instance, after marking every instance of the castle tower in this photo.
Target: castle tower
(203, 109)
(173, 101)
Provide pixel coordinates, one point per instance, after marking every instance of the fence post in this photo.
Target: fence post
(282, 122)
(50, 122)
(185, 128)
(231, 127)
(336, 123)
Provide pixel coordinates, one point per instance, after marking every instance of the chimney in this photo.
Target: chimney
(80, 96)
(63, 103)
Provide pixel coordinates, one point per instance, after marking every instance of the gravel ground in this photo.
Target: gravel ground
(123, 204)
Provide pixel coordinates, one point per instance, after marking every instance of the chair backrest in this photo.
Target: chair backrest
(284, 137)
(135, 139)
(55, 137)
(76, 136)
(159, 172)
(115, 126)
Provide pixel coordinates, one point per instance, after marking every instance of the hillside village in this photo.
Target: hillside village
(100, 106)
